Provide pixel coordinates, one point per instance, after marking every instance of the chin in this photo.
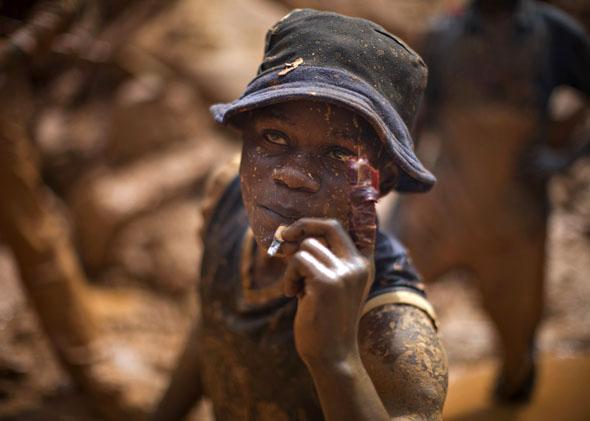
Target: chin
(263, 237)
(262, 229)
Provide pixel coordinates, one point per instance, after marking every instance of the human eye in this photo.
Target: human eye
(275, 137)
(339, 153)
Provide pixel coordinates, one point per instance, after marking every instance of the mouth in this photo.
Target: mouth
(283, 213)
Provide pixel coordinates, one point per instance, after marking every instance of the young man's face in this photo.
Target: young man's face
(294, 163)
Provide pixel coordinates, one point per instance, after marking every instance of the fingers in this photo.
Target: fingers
(302, 266)
(325, 255)
(321, 252)
(329, 230)
(315, 265)
(290, 248)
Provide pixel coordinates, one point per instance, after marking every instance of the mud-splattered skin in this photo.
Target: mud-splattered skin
(293, 172)
(405, 359)
(304, 358)
(290, 170)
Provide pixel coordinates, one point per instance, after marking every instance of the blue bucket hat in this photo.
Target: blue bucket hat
(349, 62)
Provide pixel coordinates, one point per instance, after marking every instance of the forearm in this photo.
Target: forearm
(406, 361)
(185, 387)
(347, 392)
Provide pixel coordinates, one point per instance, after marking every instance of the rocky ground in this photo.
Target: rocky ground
(127, 161)
(153, 324)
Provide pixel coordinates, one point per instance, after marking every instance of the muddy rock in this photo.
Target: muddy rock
(217, 44)
(107, 199)
(160, 249)
(151, 114)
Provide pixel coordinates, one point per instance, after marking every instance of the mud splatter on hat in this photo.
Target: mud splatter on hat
(349, 62)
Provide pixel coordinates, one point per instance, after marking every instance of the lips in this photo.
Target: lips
(285, 213)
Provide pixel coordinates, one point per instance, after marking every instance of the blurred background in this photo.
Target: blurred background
(111, 103)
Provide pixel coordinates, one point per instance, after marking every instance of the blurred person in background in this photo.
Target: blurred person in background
(493, 67)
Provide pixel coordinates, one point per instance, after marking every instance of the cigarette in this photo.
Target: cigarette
(277, 241)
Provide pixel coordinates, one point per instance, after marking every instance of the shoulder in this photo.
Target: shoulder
(218, 190)
(396, 279)
(405, 358)
(393, 267)
(224, 222)
(559, 21)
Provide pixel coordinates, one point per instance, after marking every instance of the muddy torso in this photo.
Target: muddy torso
(250, 368)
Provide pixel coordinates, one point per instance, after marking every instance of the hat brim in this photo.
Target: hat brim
(413, 177)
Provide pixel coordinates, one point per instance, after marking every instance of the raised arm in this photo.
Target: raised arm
(390, 365)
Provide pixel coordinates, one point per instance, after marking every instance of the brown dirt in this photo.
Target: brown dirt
(561, 395)
(144, 294)
(153, 326)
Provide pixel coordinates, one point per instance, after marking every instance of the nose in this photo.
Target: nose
(296, 178)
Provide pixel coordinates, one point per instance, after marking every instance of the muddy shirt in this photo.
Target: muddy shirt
(250, 368)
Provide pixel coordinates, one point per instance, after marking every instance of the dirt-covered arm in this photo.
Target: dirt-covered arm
(404, 357)
(185, 388)
(393, 367)
(331, 280)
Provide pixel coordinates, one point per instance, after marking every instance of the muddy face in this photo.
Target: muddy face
(294, 163)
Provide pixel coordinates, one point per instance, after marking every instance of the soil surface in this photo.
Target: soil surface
(153, 325)
(145, 109)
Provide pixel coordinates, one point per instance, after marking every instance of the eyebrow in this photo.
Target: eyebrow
(276, 114)
(350, 138)
(346, 134)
